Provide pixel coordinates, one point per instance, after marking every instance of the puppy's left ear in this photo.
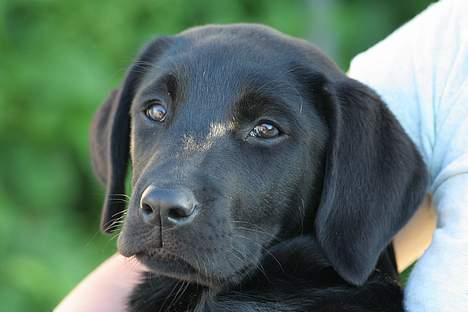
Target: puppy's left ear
(374, 179)
(110, 134)
(110, 152)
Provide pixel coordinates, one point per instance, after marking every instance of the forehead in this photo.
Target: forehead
(219, 74)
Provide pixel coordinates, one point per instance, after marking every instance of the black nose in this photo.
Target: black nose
(167, 207)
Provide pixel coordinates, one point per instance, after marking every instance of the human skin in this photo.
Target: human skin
(106, 288)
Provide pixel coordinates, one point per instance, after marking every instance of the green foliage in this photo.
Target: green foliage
(59, 60)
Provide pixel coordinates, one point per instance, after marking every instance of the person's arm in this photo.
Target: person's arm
(421, 72)
(105, 289)
(411, 242)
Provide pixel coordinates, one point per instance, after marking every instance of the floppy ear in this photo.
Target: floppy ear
(110, 136)
(374, 179)
(110, 152)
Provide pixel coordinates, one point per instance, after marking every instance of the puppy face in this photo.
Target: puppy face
(230, 137)
(240, 137)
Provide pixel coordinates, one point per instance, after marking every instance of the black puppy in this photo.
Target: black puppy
(263, 179)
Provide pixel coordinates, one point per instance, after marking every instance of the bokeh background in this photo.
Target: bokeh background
(58, 61)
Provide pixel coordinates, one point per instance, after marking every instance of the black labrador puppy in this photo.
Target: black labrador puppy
(263, 178)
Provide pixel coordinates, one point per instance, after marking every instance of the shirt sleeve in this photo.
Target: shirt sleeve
(421, 72)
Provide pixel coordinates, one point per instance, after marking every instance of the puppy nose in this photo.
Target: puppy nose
(167, 207)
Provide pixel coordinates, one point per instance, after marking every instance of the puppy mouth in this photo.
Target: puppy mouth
(161, 261)
(169, 265)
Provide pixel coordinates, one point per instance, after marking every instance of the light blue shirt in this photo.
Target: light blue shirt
(421, 72)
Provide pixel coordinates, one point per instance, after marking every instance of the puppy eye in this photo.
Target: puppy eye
(156, 112)
(264, 130)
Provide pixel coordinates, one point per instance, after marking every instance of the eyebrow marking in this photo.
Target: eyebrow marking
(253, 105)
(167, 82)
(216, 130)
(265, 94)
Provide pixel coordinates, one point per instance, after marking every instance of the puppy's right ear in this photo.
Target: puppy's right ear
(374, 178)
(110, 135)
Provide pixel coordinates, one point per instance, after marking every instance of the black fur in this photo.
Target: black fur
(293, 276)
(294, 223)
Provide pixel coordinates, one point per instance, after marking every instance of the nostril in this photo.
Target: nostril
(146, 209)
(178, 212)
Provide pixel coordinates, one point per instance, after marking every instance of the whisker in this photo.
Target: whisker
(176, 285)
(119, 195)
(262, 248)
(180, 293)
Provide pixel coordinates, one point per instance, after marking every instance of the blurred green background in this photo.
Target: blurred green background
(58, 61)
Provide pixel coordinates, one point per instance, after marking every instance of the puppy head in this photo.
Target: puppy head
(240, 137)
